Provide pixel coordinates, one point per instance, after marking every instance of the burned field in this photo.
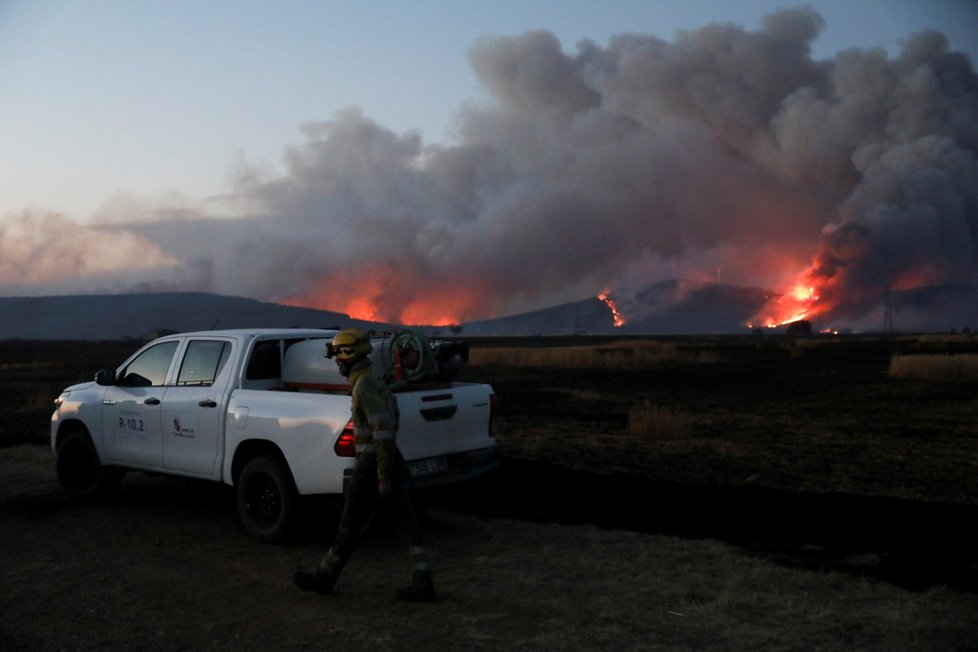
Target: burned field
(804, 449)
(805, 455)
(818, 415)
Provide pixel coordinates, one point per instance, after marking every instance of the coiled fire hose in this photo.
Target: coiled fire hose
(408, 353)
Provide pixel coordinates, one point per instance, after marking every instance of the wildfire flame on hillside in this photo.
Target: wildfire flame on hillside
(616, 315)
(802, 301)
(375, 300)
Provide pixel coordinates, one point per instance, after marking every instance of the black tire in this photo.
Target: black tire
(81, 473)
(267, 499)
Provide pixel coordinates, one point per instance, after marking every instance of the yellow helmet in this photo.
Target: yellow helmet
(349, 345)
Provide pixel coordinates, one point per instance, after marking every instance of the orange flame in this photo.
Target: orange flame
(427, 311)
(802, 301)
(616, 315)
(384, 295)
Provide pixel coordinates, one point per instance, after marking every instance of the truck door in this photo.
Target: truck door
(193, 408)
(131, 408)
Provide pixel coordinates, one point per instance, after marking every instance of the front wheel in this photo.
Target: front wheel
(266, 499)
(81, 473)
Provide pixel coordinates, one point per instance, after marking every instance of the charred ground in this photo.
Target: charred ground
(804, 452)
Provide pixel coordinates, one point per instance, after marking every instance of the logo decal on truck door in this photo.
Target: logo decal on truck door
(183, 431)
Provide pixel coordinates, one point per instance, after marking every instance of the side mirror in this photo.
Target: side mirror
(105, 377)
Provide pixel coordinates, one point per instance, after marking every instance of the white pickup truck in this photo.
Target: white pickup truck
(265, 412)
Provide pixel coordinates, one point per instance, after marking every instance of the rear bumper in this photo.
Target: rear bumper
(461, 467)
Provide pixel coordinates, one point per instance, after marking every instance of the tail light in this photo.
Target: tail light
(493, 413)
(346, 443)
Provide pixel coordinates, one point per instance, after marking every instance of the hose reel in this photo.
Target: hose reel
(408, 356)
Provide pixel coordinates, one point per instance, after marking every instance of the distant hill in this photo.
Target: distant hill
(122, 316)
(586, 316)
(658, 309)
(667, 307)
(674, 306)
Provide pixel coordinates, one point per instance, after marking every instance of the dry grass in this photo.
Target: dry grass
(932, 339)
(32, 374)
(961, 368)
(33, 367)
(503, 585)
(832, 419)
(652, 420)
(618, 355)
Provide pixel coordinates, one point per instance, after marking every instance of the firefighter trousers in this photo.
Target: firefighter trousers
(362, 500)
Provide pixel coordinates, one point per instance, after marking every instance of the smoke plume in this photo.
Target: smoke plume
(610, 167)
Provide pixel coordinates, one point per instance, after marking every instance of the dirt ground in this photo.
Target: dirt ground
(168, 567)
(816, 504)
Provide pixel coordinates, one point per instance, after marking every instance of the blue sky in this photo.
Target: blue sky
(151, 99)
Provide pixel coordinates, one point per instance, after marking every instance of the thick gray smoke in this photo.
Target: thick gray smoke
(723, 151)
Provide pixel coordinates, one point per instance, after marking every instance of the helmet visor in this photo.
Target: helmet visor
(341, 351)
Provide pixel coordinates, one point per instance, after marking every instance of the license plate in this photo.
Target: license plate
(424, 467)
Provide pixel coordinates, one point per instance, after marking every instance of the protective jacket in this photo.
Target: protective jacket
(375, 418)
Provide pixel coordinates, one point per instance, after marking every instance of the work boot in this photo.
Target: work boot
(422, 589)
(315, 580)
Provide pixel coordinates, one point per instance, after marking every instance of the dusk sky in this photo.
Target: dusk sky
(114, 112)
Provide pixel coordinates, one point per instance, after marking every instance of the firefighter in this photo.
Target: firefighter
(379, 474)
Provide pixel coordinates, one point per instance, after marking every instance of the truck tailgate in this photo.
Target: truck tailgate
(443, 420)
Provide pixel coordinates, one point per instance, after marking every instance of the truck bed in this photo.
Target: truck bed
(438, 421)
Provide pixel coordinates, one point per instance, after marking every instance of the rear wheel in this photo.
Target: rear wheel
(267, 499)
(81, 473)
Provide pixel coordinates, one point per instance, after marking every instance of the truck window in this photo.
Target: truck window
(203, 362)
(265, 362)
(150, 367)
